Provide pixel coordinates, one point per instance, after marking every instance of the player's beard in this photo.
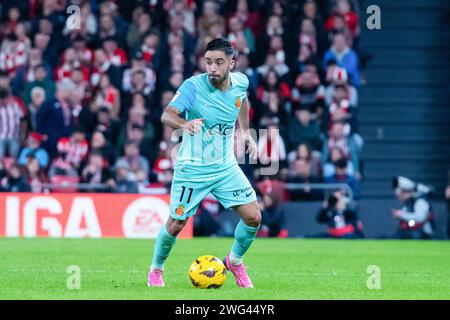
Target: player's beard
(217, 81)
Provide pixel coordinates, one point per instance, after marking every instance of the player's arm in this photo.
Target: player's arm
(183, 100)
(245, 129)
(171, 117)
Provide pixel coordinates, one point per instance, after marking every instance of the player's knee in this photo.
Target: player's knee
(253, 219)
(174, 226)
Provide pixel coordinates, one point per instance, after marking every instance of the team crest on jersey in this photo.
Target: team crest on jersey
(237, 104)
(179, 210)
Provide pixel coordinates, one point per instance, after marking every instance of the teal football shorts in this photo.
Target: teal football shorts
(189, 187)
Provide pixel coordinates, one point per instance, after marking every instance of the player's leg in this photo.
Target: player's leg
(234, 190)
(245, 232)
(165, 241)
(185, 197)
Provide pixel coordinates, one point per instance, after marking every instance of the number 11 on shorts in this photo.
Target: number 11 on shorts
(182, 194)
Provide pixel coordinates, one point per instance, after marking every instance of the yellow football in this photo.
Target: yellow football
(207, 272)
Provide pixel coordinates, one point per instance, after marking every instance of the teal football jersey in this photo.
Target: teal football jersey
(211, 149)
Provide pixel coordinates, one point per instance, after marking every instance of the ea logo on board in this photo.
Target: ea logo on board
(144, 217)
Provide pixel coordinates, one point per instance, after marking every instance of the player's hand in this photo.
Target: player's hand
(193, 126)
(397, 213)
(252, 148)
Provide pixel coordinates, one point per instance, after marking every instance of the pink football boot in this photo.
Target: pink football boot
(155, 278)
(239, 273)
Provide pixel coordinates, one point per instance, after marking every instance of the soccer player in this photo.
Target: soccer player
(206, 163)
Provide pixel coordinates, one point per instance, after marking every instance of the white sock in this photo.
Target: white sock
(235, 260)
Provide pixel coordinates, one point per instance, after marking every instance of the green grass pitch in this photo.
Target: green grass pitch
(280, 269)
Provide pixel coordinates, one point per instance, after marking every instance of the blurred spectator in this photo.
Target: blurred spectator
(125, 181)
(33, 149)
(344, 56)
(74, 147)
(250, 18)
(272, 150)
(37, 99)
(348, 144)
(272, 82)
(27, 72)
(115, 54)
(341, 176)
(83, 90)
(137, 121)
(101, 66)
(186, 9)
(241, 37)
(151, 51)
(309, 93)
(69, 62)
(337, 77)
(11, 124)
(301, 172)
(100, 144)
(55, 118)
(110, 127)
(329, 168)
(40, 80)
(208, 17)
(243, 65)
(35, 175)
(49, 52)
(341, 218)
(271, 63)
(84, 54)
(310, 11)
(16, 180)
(138, 63)
(273, 108)
(108, 29)
(135, 163)
(303, 129)
(95, 172)
(273, 223)
(108, 96)
(304, 151)
(140, 25)
(61, 167)
(415, 218)
(343, 17)
(163, 167)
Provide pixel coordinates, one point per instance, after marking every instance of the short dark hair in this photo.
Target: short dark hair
(220, 45)
(341, 163)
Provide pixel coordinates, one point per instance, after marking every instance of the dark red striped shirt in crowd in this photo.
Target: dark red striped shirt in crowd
(10, 117)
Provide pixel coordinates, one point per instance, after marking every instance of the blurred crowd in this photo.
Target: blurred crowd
(83, 104)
